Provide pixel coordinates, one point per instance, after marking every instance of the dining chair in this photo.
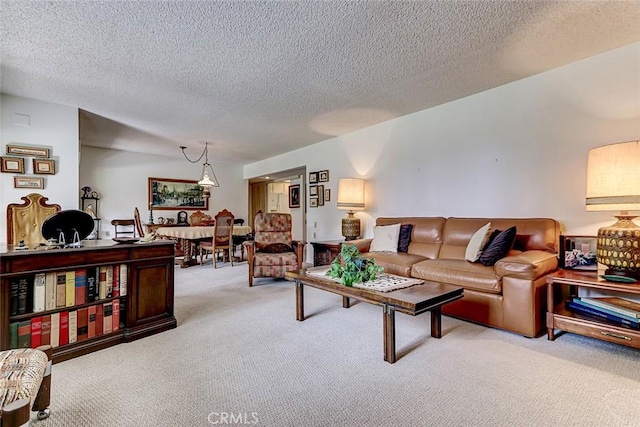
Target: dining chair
(222, 238)
(138, 222)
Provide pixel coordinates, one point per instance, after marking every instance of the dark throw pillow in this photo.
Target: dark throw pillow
(276, 248)
(405, 237)
(498, 246)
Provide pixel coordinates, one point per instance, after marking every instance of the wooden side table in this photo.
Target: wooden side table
(325, 252)
(566, 283)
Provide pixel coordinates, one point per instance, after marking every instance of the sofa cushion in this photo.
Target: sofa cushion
(459, 272)
(385, 238)
(477, 243)
(405, 237)
(498, 247)
(395, 263)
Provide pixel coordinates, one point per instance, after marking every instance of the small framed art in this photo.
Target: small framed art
(313, 191)
(44, 166)
(12, 165)
(20, 150)
(320, 195)
(578, 253)
(313, 177)
(28, 182)
(313, 202)
(327, 195)
(294, 196)
(323, 176)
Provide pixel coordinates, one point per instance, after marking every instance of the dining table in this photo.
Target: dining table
(189, 237)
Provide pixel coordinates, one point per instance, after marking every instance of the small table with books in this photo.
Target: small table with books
(611, 316)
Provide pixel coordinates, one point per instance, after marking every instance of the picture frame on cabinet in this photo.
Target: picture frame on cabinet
(28, 182)
(44, 166)
(578, 253)
(320, 195)
(12, 165)
(25, 150)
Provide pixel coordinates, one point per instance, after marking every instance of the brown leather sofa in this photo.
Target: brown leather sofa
(509, 295)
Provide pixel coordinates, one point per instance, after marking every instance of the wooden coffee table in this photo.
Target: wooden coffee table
(415, 300)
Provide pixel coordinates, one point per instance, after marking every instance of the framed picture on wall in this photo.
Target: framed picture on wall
(44, 166)
(176, 194)
(12, 165)
(320, 195)
(294, 196)
(28, 182)
(313, 177)
(313, 191)
(578, 253)
(313, 202)
(21, 150)
(323, 176)
(327, 195)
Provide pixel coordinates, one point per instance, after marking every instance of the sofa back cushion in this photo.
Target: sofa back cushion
(426, 233)
(531, 234)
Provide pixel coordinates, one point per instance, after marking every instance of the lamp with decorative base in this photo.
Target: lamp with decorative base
(351, 197)
(613, 183)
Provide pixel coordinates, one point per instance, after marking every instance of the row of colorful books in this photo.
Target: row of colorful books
(66, 327)
(614, 309)
(49, 291)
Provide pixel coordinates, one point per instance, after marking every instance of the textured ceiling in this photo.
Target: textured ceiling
(258, 79)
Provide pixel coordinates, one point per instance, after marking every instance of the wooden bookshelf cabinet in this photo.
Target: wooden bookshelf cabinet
(565, 284)
(146, 309)
(325, 252)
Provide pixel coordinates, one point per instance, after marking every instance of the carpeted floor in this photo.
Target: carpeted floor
(238, 356)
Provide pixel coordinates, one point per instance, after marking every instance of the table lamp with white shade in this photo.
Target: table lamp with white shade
(613, 183)
(351, 198)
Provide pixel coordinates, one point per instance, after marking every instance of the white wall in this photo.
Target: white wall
(42, 124)
(120, 178)
(518, 150)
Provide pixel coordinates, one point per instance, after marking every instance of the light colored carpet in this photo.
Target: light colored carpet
(239, 351)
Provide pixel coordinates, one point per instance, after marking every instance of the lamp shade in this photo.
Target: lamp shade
(613, 177)
(351, 194)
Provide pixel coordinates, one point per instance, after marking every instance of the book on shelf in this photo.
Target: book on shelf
(36, 331)
(71, 288)
(73, 326)
(50, 291)
(618, 305)
(24, 285)
(92, 285)
(61, 289)
(107, 325)
(64, 328)
(99, 319)
(39, 292)
(115, 292)
(83, 323)
(109, 279)
(92, 321)
(123, 280)
(13, 335)
(24, 334)
(590, 304)
(46, 330)
(55, 329)
(81, 286)
(588, 310)
(102, 282)
(13, 296)
(115, 314)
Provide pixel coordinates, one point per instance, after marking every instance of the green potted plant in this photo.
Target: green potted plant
(351, 267)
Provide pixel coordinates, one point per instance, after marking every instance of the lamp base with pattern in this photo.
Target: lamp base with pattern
(618, 247)
(350, 227)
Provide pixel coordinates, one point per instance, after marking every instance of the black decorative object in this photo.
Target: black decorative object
(68, 227)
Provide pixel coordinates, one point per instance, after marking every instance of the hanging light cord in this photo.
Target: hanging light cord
(204, 154)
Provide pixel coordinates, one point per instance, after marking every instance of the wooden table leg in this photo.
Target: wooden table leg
(299, 301)
(436, 322)
(389, 333)
(345, 302)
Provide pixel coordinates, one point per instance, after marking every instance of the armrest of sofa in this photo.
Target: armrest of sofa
(527, 265)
